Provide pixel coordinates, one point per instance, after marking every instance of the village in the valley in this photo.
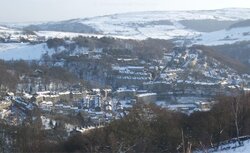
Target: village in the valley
(184, 79)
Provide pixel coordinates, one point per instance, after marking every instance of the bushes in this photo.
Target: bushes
(55, 43)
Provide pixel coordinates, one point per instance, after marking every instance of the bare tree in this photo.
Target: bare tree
(236, 112)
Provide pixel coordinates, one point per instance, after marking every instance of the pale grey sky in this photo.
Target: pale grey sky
(54, 10)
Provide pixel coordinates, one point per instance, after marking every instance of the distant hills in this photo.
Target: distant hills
(209, 27)
(227, 31)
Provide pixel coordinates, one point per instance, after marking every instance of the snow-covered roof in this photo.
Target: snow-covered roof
(146, 94)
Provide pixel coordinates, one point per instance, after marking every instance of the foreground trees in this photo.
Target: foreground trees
(148, 128)
(229, 118)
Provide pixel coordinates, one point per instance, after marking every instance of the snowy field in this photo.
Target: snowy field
(224, 36)
(144, 25)
(16, 51)
(231, 146)
(235, 149)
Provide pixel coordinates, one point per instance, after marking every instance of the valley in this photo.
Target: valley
(182, 70)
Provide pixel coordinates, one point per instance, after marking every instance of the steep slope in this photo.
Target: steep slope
(238, 51)
(224, 59)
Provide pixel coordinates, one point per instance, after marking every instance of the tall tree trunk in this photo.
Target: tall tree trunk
(183, 142)
(235, 106)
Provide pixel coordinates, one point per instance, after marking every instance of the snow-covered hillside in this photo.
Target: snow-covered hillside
(171, 25)
(223, 36)
(130, 22)
(200, 27)
(207, 27)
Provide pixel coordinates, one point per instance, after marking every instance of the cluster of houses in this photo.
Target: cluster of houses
(129, 75)
(183, 71)
(186, 71)
(14, 36)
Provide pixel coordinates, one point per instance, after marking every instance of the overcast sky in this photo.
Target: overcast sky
(49, 10)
